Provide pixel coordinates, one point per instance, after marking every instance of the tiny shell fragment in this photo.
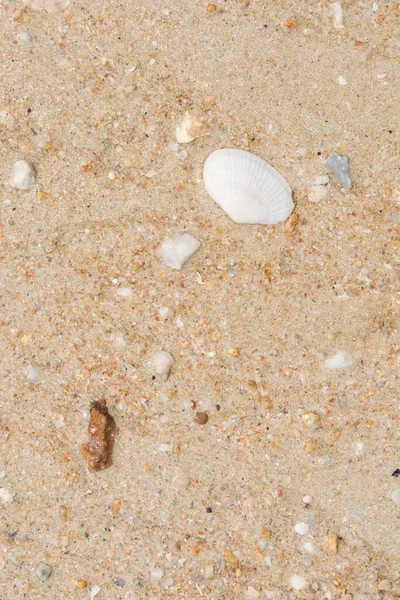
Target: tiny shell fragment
(189, 129)
(102, 430)
(332, 544)
(50, 5)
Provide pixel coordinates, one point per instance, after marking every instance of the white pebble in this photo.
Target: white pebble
(162, 362)
(339, 361)
(31, 373)
(111, 175)
(119, 340)
(156, 574)
(94, 590)
(337, 15)
(178, 249)
(189, 129)
(125, 292)
(6, 496)
(165, 448)
(302, 528)
(166, 313)
(359, 448)
(396, 496)
(208, 571)
(151, 173)
(24, 36)
(317, 193)
(342, 80)
(252, 593)
(298, 582)
(179, 322)
(375, 6)
(307, 500)
(321, 180)
(271, 130)
(309, 547)
(23, 175)
(167, 582)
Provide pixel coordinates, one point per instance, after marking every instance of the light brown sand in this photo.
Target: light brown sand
(102, 87)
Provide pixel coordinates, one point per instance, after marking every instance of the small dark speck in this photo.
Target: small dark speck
(29, 110)
(86, 535)
(396, 473)
(13, 534)
(153, 377)
(218, 406)
(319, 153)
(390, 130)
(208, 509)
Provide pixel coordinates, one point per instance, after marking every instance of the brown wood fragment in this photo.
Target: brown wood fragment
(102, 429)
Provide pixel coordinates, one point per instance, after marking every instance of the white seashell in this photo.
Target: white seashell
(247, 188)
(23, 175)
(189, 129)
(50, 5)
(337, 15)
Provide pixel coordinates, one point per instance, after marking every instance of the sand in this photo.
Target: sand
(189, 509)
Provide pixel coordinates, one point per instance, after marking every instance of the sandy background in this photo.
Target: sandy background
(102, 87)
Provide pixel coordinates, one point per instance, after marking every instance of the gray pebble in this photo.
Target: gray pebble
(120, 582)
(339, 167)
(43, 571)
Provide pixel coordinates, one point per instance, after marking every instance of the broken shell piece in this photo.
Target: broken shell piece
(189, 129)
(317, 193)
(337, 15)
(247, 188)
(102, 430)
(333, 543)
(339, 361)
(23, 175)
(50, 5)
(162, 362)
(178, 249)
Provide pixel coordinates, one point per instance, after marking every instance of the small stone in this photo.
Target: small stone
(43, 571)
(311, 420)
(234, 352)
(384, 586)
(80, 583)
(396, 496)
(337, 15)
(94, 590)
(298, 582)
(111, 175)
(339, 167)
(6, 496)
(120, 582)
(163, 362)
(231, 559)
(31, 373)
(63, 514)
(23, 175)
(156, 574)
(201, 418)
(165, 448)
(317, 193)
(321, 180)
(14, 560)
(271, 130)
(189, 129)
(167, 583)
(177, 250)
(309, 547)
(342, 80)
(24, 36)
(302, 528)
(209, 572)
(252, 593)
(307, 500)
(333, 543)
(211, 8)
(341, 360)
(291, 223)
(125, 292)
(166, 313)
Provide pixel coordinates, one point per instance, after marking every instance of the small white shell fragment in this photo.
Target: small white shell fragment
(209, 571)
(337, 15)
(252, 593)
(23, 175)
(375, 6)
(302, 528)
(396, 496)
(298, 582)
(31, 373)
(166, 312)
(339, 361)
(189, 129)
(124, 292)
(6, 496)
(342, 80)
(271, 130)
(94, 590)
(177, 250)
(309, 547)
(156, 574)
(50, 5)
(165, 448)
(321, 180)
(307, 500)
(247, 188)
(317, 193)
(24, 36)
(162, 362)
(111, 175)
